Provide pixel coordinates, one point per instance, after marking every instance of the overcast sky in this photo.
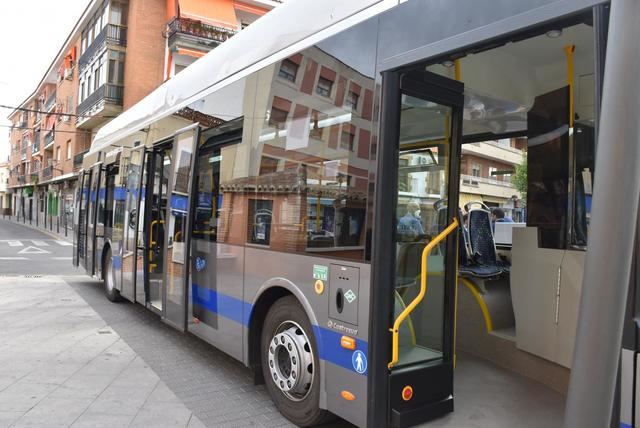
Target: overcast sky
(31, 33)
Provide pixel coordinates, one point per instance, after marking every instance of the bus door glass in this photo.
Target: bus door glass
(177, 216)
(78, 221)
(82, 219)
(91, 218)
(156, 207)
(142, 239)
(133, 179)
(428, 133)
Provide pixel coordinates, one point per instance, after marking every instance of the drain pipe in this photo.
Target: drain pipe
(609, 254)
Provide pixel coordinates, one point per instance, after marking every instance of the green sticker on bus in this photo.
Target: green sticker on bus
(320, 272)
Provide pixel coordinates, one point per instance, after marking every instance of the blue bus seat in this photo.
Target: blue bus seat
(483, 261)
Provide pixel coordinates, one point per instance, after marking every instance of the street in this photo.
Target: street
(27, 251)
(79, 360)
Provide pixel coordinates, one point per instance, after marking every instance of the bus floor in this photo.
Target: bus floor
(488, 396)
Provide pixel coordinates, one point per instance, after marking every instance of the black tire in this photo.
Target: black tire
(304, 411)
(108, 279)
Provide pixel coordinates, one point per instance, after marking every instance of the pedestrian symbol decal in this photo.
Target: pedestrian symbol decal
(359, 361)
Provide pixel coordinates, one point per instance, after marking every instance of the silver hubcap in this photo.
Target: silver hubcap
(108, 275)
(291, 361)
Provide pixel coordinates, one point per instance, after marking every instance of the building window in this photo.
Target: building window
(260, 217)
(324, 87)
(58, 153)
(116, 68)
(352, 100)
(346, 141)
(316, 128)
(68, 149)
(278, 118)
(492, 172)
(288, 70)
(476, 170)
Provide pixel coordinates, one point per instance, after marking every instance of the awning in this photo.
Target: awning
(213, 12)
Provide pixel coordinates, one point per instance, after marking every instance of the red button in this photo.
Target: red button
(407, 393)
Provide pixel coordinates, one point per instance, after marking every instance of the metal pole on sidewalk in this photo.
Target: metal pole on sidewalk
(609, 255)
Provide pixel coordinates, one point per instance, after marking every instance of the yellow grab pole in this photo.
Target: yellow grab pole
(568, 50)
(395, 331)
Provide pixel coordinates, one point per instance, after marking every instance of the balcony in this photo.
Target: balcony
(110, 94)
(23, 153)
(21, 179)
(189, 33)
(51, 102)
(36, 145)
(77, 160)
(47, 173)
(486, 186)
(111, 34)
(48, 139)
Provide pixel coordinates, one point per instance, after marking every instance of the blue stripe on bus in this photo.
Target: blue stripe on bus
(117, 262)
(120, 193)
(623, 425)
(221, 304)
(329, 348)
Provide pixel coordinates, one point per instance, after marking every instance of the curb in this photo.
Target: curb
(39, 229)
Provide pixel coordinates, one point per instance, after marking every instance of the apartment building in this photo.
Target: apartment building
(486, 170)
(5, 204)
(116, 54)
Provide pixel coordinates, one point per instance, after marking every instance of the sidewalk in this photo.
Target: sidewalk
(53, 233)
(62, 366)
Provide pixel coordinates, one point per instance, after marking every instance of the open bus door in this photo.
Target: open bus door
(78, 218)
(177, 227)
(412, 346)
(134, 195)
(83, 205)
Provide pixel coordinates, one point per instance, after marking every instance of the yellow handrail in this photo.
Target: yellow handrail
(423, 290)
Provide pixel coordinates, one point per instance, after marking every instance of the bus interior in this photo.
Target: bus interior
(518, 285)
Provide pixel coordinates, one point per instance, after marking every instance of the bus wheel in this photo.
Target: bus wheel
(109, 281)
(290, 363)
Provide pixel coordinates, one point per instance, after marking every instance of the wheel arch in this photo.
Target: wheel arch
(106, 247)
(266, 296)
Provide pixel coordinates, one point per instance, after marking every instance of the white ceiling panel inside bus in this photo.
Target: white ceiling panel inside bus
(501, 84)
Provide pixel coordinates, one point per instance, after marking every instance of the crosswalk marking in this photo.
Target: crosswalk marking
(64, 243)
(13, 258)
(15, 244)
(39, 243)
(61, 258)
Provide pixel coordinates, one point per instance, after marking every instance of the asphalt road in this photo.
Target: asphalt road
(26, 251)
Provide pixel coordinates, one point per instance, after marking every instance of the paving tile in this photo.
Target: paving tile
(54, 412)
(162, 414)
(22, 396)
(102, 420)
(8, 418)
(83, 386)
(120, 400)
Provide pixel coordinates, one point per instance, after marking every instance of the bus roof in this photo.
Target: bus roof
(281, 32)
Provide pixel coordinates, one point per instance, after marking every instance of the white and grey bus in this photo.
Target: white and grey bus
(293, 198)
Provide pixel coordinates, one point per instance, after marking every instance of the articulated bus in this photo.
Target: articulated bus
(294, 199)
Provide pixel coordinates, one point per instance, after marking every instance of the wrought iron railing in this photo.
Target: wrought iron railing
(77, 160)
(198, 29)
(112, 34)
(48, 138)
(23, 153)
(51, 101)
(110, 93)
(47, 173)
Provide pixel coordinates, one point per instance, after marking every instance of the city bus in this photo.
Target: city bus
(293, 199)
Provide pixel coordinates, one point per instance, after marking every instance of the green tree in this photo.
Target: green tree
(520, 177)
